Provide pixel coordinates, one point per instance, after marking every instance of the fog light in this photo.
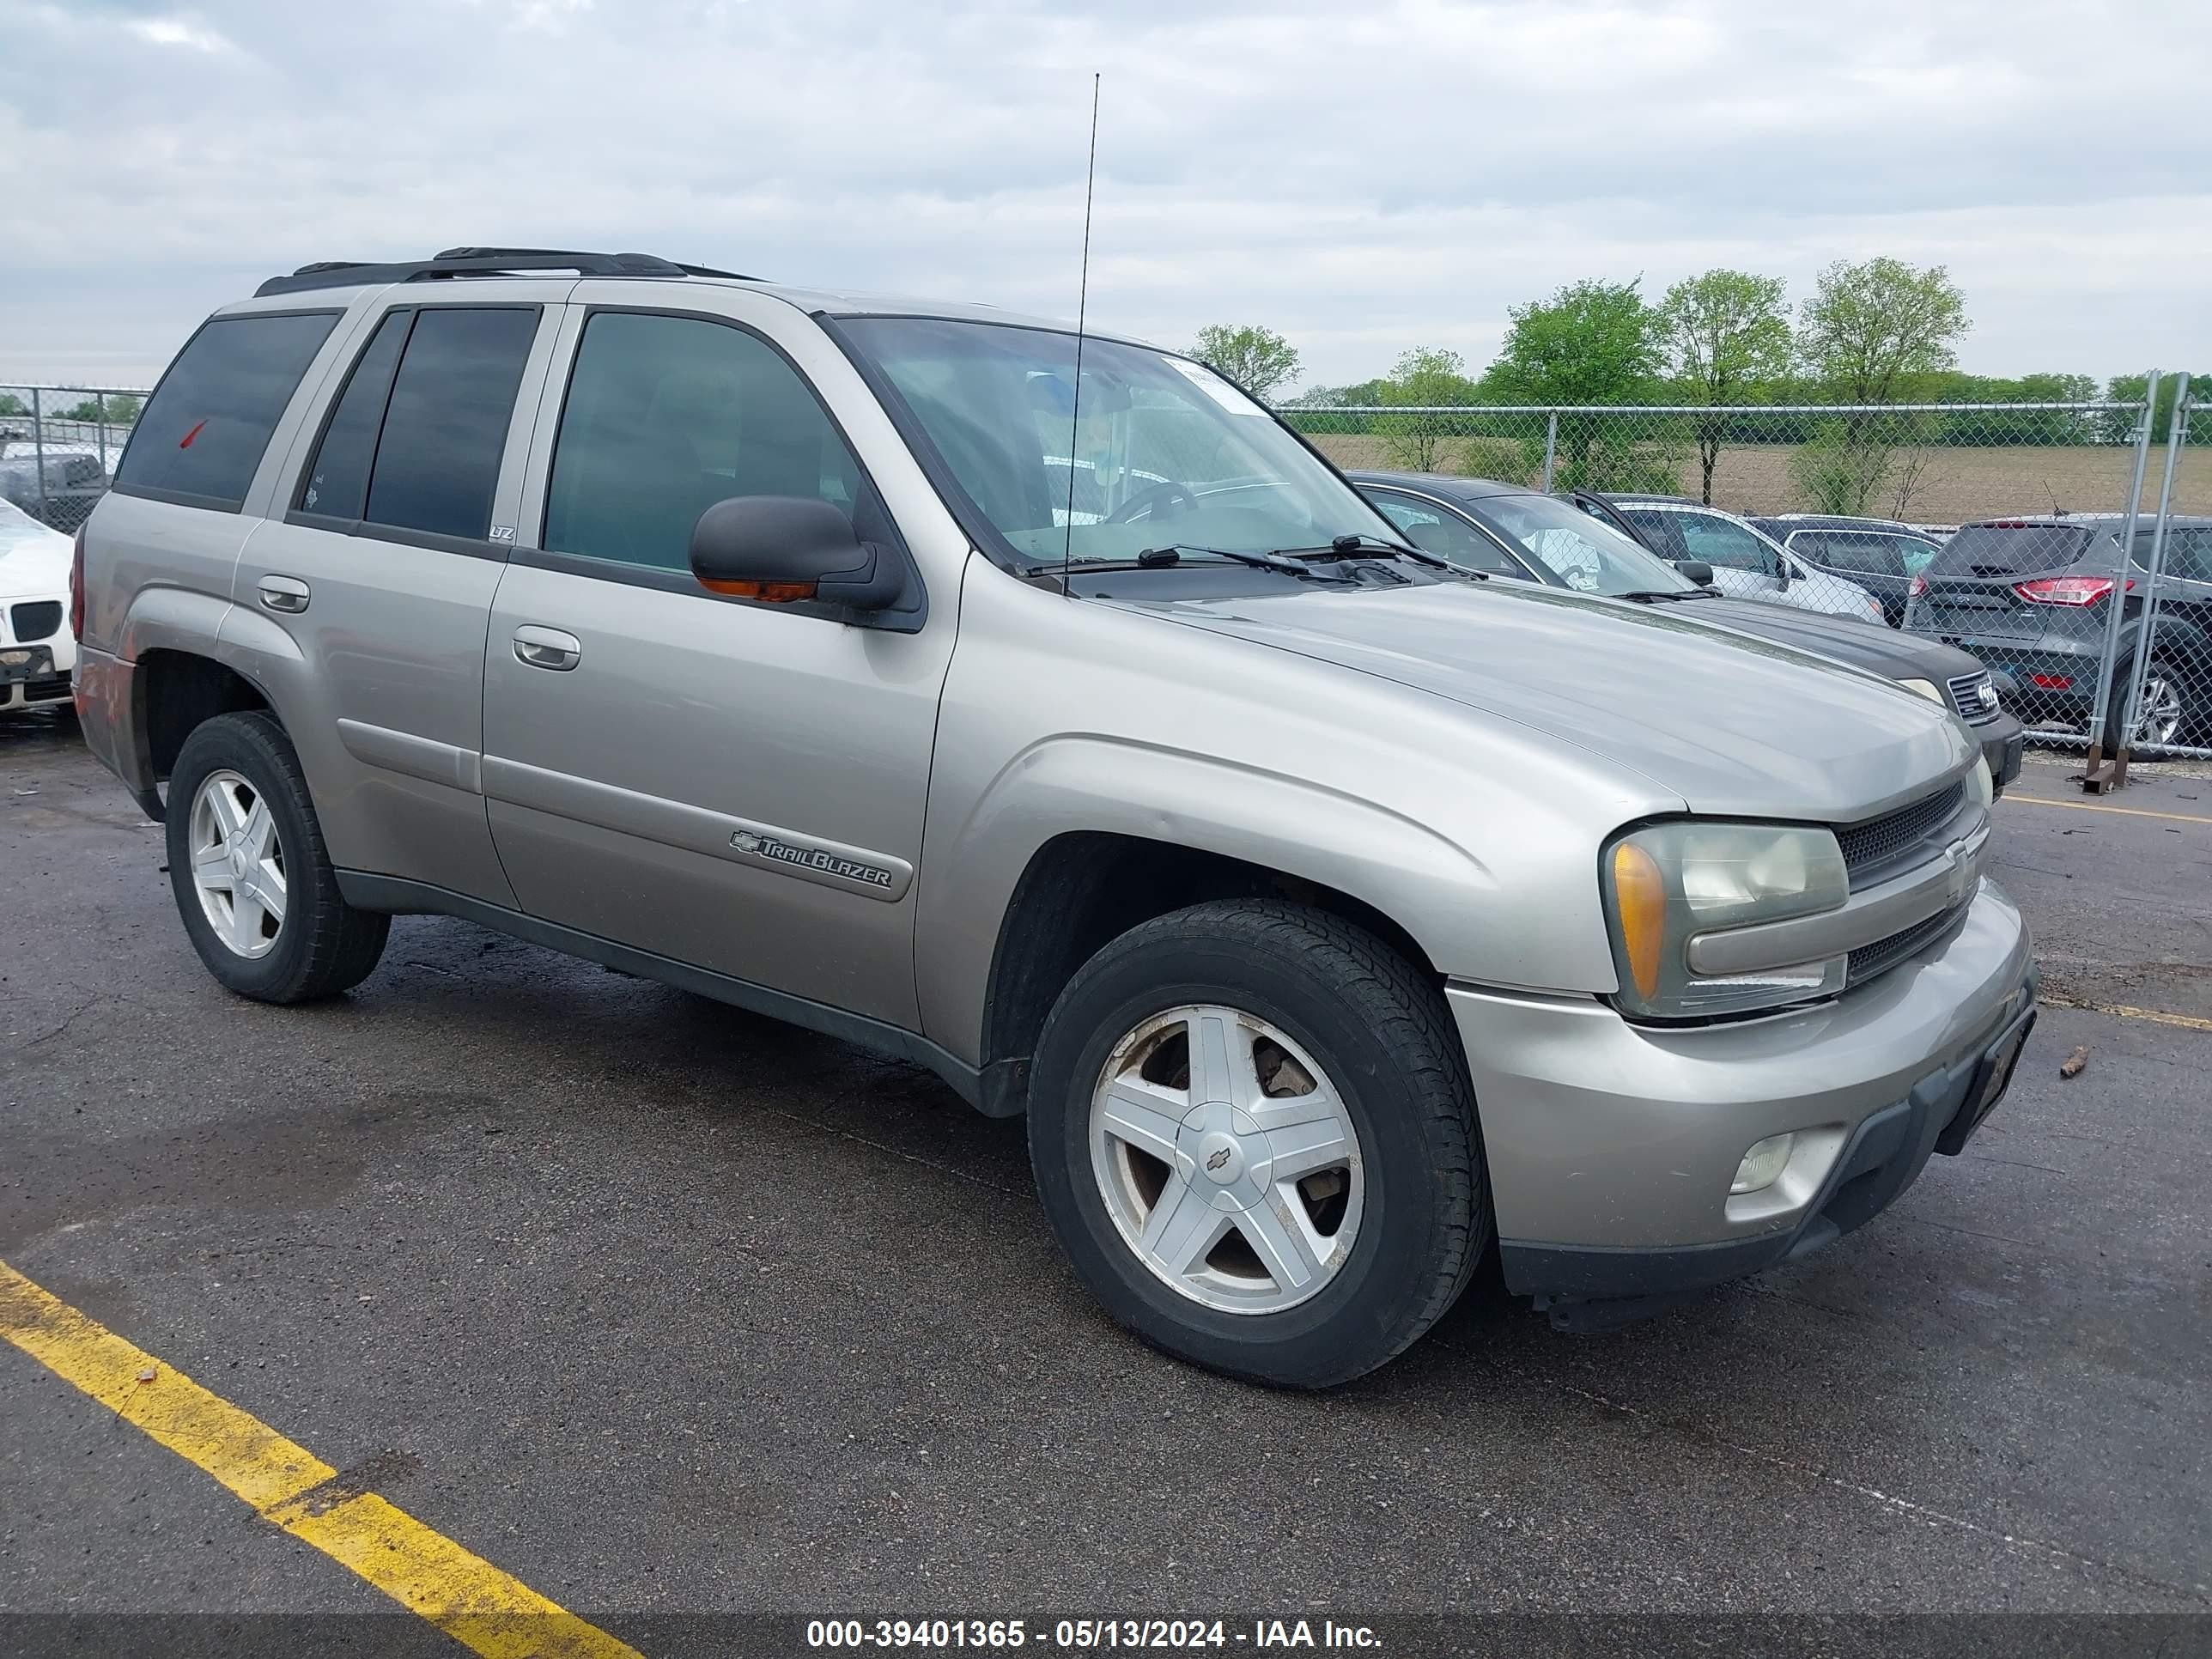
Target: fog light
(1762, 1166)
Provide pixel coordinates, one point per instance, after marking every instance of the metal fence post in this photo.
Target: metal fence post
(39, 449)
(2132, 710)
(99, 424)
(1551, 447)
(2108, 661)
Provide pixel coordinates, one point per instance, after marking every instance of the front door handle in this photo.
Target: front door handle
(286, 593)
(547, 648)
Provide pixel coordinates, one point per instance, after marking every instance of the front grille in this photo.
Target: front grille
(1884, 954)
(1966, 691)
(37, 621)
(1883, 846)
(45, 691)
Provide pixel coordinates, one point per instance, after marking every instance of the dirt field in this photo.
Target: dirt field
(1955, 484)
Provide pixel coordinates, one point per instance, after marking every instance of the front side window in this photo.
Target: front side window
(1584, 552)
(1723, 544)
(1443, 534)
(1156, 451)
(665, 417)
(201, 433)
(1658, 529)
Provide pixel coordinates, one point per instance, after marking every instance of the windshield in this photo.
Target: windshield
(1587, 554)
(1165, 452)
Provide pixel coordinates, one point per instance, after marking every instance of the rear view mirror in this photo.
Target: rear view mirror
(1698, 571)
(786, 549)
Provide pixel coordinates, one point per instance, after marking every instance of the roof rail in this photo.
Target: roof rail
(480, 262)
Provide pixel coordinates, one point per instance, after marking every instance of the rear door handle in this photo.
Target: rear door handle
(286, 593)
(547, 648)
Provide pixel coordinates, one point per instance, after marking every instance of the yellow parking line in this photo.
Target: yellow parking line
(427, 1573)
(2186, 1021)
(2093, 807)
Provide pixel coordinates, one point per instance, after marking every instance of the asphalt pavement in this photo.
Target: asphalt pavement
(668, 1310)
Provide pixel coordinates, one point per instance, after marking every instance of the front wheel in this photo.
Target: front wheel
(1254, 1134)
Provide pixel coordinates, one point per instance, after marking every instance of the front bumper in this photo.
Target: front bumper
(1611, 1147)
(37, 669)
(2004, 741)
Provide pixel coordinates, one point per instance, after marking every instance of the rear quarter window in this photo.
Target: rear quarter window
(203, 431)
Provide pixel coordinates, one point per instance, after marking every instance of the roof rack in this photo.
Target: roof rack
(481, 262)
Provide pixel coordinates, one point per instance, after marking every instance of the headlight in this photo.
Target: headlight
(1925, 688)
(1667, 883)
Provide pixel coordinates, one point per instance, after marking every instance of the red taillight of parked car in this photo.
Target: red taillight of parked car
(76, 586)
(2066, 590)
(1919, 586)
(2053, 682)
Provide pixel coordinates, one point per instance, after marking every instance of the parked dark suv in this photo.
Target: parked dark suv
(2031, 599)
(1880, 555)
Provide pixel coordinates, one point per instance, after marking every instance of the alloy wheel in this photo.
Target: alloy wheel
(238, 864)
(1227, 1159)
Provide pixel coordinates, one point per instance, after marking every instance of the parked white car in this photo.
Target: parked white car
(1747, 564)
(38, 653)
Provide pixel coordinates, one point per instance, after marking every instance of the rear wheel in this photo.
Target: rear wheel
(2174, 708)
(252, 877)
(1253, 1133)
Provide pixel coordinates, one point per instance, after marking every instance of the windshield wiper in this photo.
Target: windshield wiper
(1155, 558)
(1374, 547)
(1654, 595)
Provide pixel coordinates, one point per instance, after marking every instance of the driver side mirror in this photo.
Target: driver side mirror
(783, 549)
(1698, 571)
(1782, 569)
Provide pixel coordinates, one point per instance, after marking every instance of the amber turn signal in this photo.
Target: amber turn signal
(768, 592)
(1639, 895)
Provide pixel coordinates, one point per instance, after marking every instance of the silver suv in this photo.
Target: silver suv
(1333, 916)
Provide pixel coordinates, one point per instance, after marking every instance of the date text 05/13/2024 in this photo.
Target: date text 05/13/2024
(1093, 1635)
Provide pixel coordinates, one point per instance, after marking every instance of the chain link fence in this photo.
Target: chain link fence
(1998, 527)
(2006, 528)
(59, 446)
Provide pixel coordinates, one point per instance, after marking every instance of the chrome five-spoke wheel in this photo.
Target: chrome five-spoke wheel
(1226, 1159)
(237, 864)
(2158, 718)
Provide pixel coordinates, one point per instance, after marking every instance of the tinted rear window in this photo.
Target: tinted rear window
(445, 427)
(203, 432)
(2016, 550)
(1867, 553)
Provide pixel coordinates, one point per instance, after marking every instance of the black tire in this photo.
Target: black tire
(1381, 1032)
(324, 946)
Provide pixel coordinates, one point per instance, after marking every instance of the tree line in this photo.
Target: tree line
(1877, 332)
(120, 409)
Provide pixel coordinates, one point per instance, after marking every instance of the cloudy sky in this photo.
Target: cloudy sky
(1364, 177)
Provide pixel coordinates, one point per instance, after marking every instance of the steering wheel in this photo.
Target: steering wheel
(1167, 490)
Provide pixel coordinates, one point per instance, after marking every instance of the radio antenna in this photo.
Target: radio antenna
(1082, 304)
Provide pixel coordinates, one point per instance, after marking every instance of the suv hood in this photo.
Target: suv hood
(1874, 647)
(1733, 726)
